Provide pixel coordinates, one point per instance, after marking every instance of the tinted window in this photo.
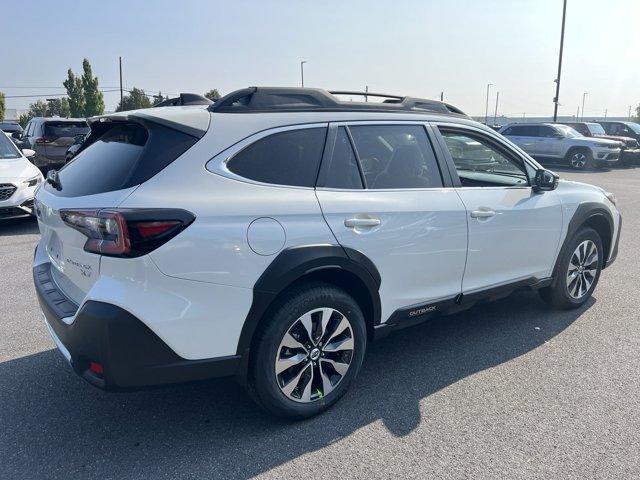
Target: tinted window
(522, 131)
(286, 158)
(343, 171)
(480, 163)
(7, 148)
(548, 132)
(396, 156)
(120, 155)
(65, 129)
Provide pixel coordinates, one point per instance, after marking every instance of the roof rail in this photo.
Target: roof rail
(185, 99)
(291, 99)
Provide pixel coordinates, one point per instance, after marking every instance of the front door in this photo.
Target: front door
(387, 199)
(514, 232)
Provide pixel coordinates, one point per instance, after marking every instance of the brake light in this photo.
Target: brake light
(126, 232)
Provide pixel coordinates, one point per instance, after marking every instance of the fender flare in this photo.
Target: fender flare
(583, 213)
(294, 263)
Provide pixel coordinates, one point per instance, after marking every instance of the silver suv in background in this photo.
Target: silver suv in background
(548, 142)
(50, 138)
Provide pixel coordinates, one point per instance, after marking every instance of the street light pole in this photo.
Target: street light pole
(121, 94)
(495, 113)
(486, 108)
(583, 97)
(302, 71)
(557, 97)
(629, 112)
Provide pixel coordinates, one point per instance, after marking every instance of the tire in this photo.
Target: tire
(579, 159)
(283, 355)
(572, 288)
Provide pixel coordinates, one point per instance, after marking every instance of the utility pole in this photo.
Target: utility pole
(605, 113)
(442, 96)
(486, 108)
(495, 113)
(583, 97)
(366, 89)
(629, 112)
(121, 94)
(578, 114)
(557, 97)
(302, 71)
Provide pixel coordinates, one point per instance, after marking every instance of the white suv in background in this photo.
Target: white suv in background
(274, 234)
(18, 180)
(556, 143)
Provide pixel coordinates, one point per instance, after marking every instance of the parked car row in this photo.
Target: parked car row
(51, 138)
(578, 144)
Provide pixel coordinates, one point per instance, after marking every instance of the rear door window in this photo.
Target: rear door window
(54, 130)
(396, 156)
(285, 158)
(342, 171)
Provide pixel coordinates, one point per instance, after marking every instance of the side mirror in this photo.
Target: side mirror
(545, 181)
(27, 152)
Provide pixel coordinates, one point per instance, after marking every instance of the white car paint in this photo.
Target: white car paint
(195, 291)
(18, 171)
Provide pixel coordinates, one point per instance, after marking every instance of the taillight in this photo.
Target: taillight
(126, 232)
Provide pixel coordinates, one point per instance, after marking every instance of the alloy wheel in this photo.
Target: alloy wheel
(578, 160)
(314, 355)
(583, 268)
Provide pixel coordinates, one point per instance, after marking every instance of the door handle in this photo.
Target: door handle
(482, 213)
(361, 222)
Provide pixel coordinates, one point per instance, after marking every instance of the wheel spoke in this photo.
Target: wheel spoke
(326, 383)
(307, 323)
(306, 393)
(286, 363)
(289, 342)
(293, 383)
(341, 327)
(327, 313)
(339, 367)
(339, 345)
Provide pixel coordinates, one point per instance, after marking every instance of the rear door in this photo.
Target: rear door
(551, 142)
(525, 136)
(58, 136)
(383, 194)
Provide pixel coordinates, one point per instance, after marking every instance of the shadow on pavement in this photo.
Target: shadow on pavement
(56, 425)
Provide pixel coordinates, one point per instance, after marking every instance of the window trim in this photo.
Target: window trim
(447, 181)
(494, 140)
(218, 163)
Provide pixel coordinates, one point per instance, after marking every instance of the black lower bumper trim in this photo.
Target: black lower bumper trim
(131, 355)
(614, 250)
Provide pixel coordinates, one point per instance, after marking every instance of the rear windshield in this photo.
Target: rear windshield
(65, 129)
(120, 155)
(7, 148)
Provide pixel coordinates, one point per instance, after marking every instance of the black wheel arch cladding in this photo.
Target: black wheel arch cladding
(295, 263)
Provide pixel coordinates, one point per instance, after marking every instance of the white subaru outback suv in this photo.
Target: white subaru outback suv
(556, 143)
(274, 234)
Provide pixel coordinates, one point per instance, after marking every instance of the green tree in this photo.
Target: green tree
(159, 98)
(134, 100)
(1, 106)
(213, 94)
(75, 92)
(638, 113)
(58, 107)
(36, 109)
(93, 98)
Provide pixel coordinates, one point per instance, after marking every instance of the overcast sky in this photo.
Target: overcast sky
(417, 48)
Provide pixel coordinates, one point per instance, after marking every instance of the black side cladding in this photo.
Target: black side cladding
(121, 154)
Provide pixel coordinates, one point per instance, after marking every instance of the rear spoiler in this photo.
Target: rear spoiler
(185, 99)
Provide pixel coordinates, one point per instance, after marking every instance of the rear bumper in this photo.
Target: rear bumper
(130, 354)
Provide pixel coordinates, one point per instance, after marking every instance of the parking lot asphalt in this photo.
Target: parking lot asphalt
(510, 389)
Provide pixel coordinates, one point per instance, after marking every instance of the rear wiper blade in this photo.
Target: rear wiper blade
(53, 179)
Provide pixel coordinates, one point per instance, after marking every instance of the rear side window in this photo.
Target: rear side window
(522, 131)
(285, 158)
(120, 155)
(65, 129)
(396, 156)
